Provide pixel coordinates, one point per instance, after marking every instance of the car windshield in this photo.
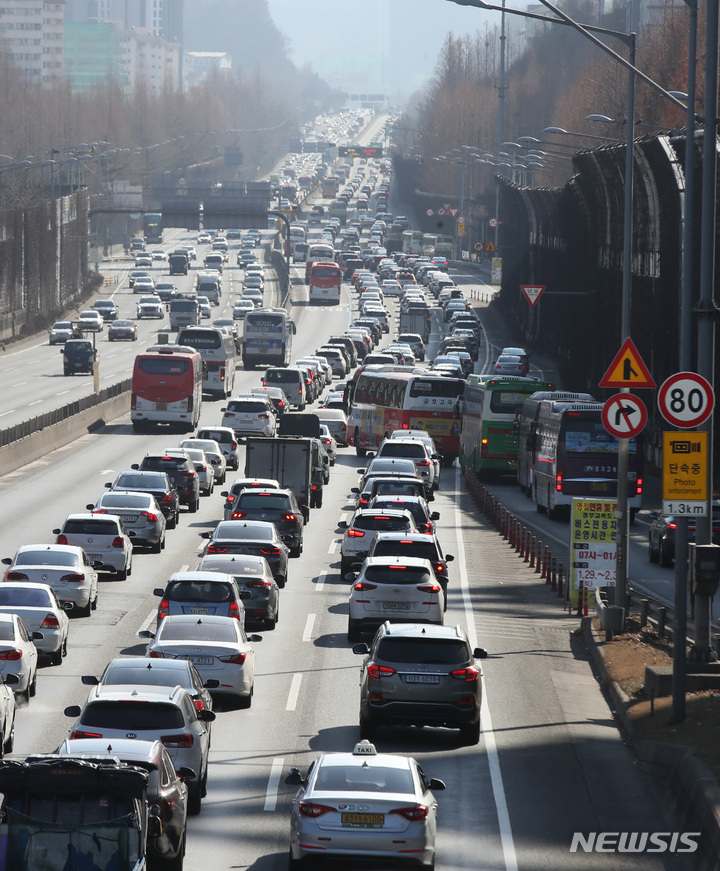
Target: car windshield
(146, 675)
(140, 482)
(363, 778)
(258, 531)
(125, 501)
(247, 406)
(7, 630)
(62, 325)
(380, 522)
(197, 631)
(264, 501)
(91, 526)
(164, 464)
(135, 716)
(425, 651)
(199, 591)
(391, 449)
(397, 574)
(46, 558)
(408, 488)
(25, 598)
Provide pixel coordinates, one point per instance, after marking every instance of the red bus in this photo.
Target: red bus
(386, 398)
(325, 282)
(318, 251)
(167, 387)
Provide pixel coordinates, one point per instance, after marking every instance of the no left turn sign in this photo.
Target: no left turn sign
(686, 399)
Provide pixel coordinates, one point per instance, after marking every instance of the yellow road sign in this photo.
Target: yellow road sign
(685, 472)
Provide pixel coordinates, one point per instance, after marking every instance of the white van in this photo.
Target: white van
(291, 381)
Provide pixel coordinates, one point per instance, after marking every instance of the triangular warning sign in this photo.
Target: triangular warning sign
(453, 212)
(446, 206)
(490, 247)
(627, 369)
(532, 292)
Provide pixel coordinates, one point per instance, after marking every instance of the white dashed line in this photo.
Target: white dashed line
(333, 544)
(147, 621)
(273, 783)
(309, 623)
(320, 583)
(294, 692)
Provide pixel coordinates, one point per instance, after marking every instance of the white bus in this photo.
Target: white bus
(267, 340)
(412, 241)
(218, 351)
(318, 251)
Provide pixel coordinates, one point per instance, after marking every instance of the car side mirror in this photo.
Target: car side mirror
(449, 557)
(255, 638)
(56, 532)
(36, 636)
(135, 466)
(7, 561)
(361, 649)
(435, 515)
(479, 653)
(294, 778)
(361, 471)
(72, 711)
(211, 684)
(159, 591)
(185, 773)
(90, 680)
(90, 507)
(206, 716)
(342, 524)
(131, 533)
(146, 633)
(349, 576)
(654, 515)
(108, 485)
(436, 783)
(224, 493)
(206, 535)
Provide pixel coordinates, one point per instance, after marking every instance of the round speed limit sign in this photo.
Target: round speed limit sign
(686, 399)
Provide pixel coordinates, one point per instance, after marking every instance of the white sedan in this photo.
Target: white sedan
(41, 611)
(150, 306)
(363, 805)
(217, 646)
(18, 654)
(64, 567)
(92, 321)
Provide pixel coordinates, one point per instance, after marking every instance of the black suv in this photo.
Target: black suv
(180, 469)
(420, 675)
(276, 506)
(158, 484)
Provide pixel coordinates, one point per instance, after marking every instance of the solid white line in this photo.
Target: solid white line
(273, 783)
(294, 692)
(307, 632)
(333, 544)
(491, 752)
(147, 621)
(320, 583)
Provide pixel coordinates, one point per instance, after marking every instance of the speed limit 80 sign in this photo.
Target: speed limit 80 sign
(686, 399)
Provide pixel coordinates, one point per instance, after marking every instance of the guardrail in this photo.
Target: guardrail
(57, 415)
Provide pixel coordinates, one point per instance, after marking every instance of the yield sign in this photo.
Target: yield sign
(453, 212)
(627, 369)
(446, 206)
(532, 292)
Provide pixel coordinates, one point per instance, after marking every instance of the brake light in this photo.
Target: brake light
(50, 622)
(364, 586)
(78, 733)
(101, 511)
(672, 525)
(190, 475)
(559, 482)
(16, 576)
(199, 704)
(364, 501)
(355, 533)
(406, 426)
(264, 416)
(380, 671)
(423, 463)
(310, 809)
(234, 446)
(61, 539)
(440, 567)
(234, 610)
(271, 551)
(73, 578)
(166, 499)
(152, 518)
(163, 609)
(118, 541)
(11, 655)
(155, 654)
(418, 812)
(292, 517)
(215, 548)
(234, 658)
(639, 486)
(178, 740)
(469, 675)
(237, 515)
(258, 583)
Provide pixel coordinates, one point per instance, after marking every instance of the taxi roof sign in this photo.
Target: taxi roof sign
(364, 748)
(627, 369)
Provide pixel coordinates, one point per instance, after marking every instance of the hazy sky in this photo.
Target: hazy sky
(374, 44)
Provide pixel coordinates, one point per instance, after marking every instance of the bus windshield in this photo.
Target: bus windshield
(201, 338)
(590, 437)
(163, 365)
(447, 388)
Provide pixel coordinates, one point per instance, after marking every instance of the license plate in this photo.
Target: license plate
(201, 660)
(161, 406)
(599, 486)
(130, 518)
(94, 556)
(396, 606)
(363, 820)
(198, 611)
(422, 678)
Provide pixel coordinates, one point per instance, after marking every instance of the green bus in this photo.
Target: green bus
(488, 437)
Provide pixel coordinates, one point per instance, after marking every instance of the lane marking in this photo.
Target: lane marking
(320, 583)
(343, 517)
(491, 751)
(294, 692)
(147, 621)
(309, 623)
(2, 414)
(333, 544)
(271, 792)
(35, 402)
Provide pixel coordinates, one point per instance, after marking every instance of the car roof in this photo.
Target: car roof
(122, 693)
(384, 512)
(204, 576)
(124, 749)
(63, 548)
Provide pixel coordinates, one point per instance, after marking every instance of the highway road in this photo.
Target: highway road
(550, 761)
